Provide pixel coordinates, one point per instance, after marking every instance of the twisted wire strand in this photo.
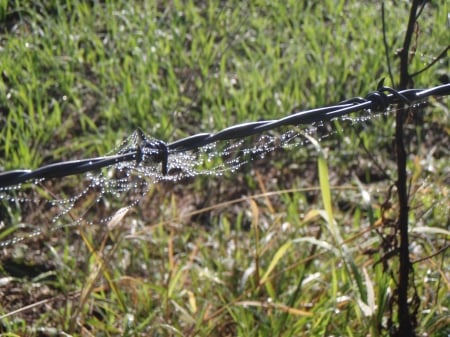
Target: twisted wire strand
(157, 151)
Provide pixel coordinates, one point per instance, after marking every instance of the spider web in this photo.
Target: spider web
(129, 182)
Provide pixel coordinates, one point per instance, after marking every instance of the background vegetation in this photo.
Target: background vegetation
(296, 243)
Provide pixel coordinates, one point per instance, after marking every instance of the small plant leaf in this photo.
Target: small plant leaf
(276, 258)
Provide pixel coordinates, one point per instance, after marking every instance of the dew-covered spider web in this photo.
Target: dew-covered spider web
(41, 207)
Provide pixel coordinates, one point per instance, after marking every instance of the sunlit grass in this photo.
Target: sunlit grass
(288, 246)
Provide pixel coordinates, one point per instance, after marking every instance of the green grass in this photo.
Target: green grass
(292, 245)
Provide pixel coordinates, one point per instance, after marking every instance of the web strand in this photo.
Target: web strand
(130, 181)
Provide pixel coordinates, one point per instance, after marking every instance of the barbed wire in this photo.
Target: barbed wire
(157, 151)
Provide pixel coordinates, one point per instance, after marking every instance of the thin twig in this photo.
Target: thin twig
(440, 251)
(428, 66)
(386, 46)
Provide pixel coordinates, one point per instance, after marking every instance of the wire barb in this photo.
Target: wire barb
(152, 151)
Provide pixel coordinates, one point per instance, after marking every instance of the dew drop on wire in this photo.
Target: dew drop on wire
(132, 181)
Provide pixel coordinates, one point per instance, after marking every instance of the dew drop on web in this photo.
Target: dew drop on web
(130, 181)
